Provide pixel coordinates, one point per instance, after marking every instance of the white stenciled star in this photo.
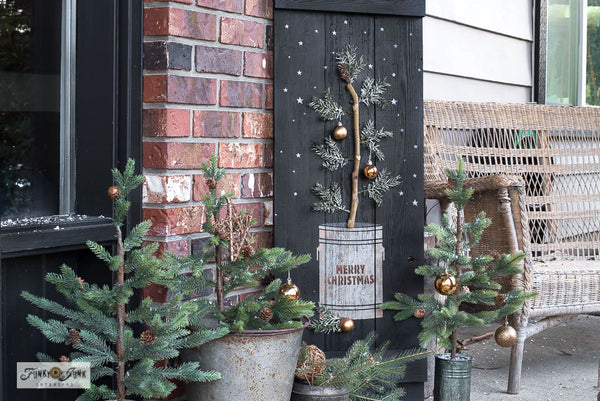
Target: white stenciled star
(285, 90)
(395, 45)
(289, 56)
(299, 72)
(345, 22)
(415, 146)
(401, 193)
(298, 155)
(414, 176)
(334, 33)
(286, 26)
(295, 193)
(415, 203)
(381, 29)
(371, 66)
(394, 102)
(300, 43)
(300, 100)
(393, 74)
(316, 31)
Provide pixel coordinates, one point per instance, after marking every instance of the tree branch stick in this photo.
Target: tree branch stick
(120, 357)
(354, 203)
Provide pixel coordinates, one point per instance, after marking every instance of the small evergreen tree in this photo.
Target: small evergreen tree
(98, 321)
(237, 265)
(472, 278)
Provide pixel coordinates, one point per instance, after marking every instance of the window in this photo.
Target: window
(573, 52)
(35, 127)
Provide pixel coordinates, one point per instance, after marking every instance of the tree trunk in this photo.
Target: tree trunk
(354, 204)
(120, 357)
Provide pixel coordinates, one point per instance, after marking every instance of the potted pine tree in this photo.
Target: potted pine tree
(257, 358)
(105, 326)
(460, 279)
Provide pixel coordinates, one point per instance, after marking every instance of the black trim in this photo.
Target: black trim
(409, 8)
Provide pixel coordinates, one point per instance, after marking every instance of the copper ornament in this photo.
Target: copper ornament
(340, 132)
(346, 325)
(445, 284)
(370, 171)
(505, 336)
(289, 290)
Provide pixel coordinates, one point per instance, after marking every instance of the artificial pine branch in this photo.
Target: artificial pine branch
(331, 198)
(326, 323)
(328, 108)
(370, 137)
(381, 184)
(351, 62)
(333, 158)
(372, 92)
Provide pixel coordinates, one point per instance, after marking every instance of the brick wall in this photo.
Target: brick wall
(207, 89)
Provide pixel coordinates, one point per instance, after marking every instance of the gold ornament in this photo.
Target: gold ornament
(113, 192)
(289, 290)
(445, 284)
(339, 132)
(505, 336)
(346, 325)
(312, 366)
(370, 171)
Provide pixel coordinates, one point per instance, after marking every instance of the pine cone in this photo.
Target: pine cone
(247, 251)
(500, 299)
(81, 282)
(266, 314)
(147, 337)
(74, 337)
(114, 192)
(211, 184)
(344, 75)
(64, 358)
(495, 255)
(419, 313)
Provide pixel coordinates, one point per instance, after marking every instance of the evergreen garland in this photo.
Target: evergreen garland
(474, 275)
(97, 322)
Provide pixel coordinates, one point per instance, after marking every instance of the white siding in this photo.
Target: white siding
(478, 50)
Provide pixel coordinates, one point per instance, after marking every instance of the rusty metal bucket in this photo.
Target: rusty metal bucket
(254, 365)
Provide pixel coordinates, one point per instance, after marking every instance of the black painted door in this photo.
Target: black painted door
(307, 37)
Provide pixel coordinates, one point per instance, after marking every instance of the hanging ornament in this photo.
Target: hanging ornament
(289, 290)
(312, 366)
(505, 336)
(370, 170)
(445, 284)
(113, 192)
(339, 132)
(346, 325)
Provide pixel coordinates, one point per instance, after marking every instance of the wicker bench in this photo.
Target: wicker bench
(536, 173)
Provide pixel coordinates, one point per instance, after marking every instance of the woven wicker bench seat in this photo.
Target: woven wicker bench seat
(536, 173)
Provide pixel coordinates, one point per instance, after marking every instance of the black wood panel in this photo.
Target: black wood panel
(305, 43)
(414, 8)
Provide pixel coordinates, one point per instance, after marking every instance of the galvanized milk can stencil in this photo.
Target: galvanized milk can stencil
(351, 269)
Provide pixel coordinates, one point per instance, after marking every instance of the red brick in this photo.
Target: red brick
(257, 125)
(260, 8)
(268, 213)
(191, 90)
(156, 21)
(218, 60)
(176, 221)
(259, 65)
(157, 293)
(257, 185)
(166, 123)
(166, 1)
(167, 188)
(216, 124)
(240, 32)
(155, 88)
(229, 183)
(176, 155)
(269, 97)
(263, 239)
(241, 94)
(240, 155)
(268, 155)
(234, 6)
(179, 22)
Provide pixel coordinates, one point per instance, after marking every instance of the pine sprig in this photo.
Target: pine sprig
(327, 107)
(327, 322)
(331, 198)
(371, 92)
(381, 184)
(370, 137)
(333, 159)
(352, 63)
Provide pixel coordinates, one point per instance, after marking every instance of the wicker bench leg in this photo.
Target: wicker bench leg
(516, 361)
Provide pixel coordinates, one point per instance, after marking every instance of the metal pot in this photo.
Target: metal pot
(254, 365)
(305, 392)
(452, 378)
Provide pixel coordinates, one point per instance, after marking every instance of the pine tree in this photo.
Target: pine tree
(474, 276)
(99, 322)
(350, 65)
(238, 265)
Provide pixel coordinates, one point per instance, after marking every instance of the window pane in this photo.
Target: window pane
(562, 51)
(592, 81)
(30, 55)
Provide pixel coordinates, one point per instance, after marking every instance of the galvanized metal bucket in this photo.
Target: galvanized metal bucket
(452, 378)
(254, 365)
(305, 392)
